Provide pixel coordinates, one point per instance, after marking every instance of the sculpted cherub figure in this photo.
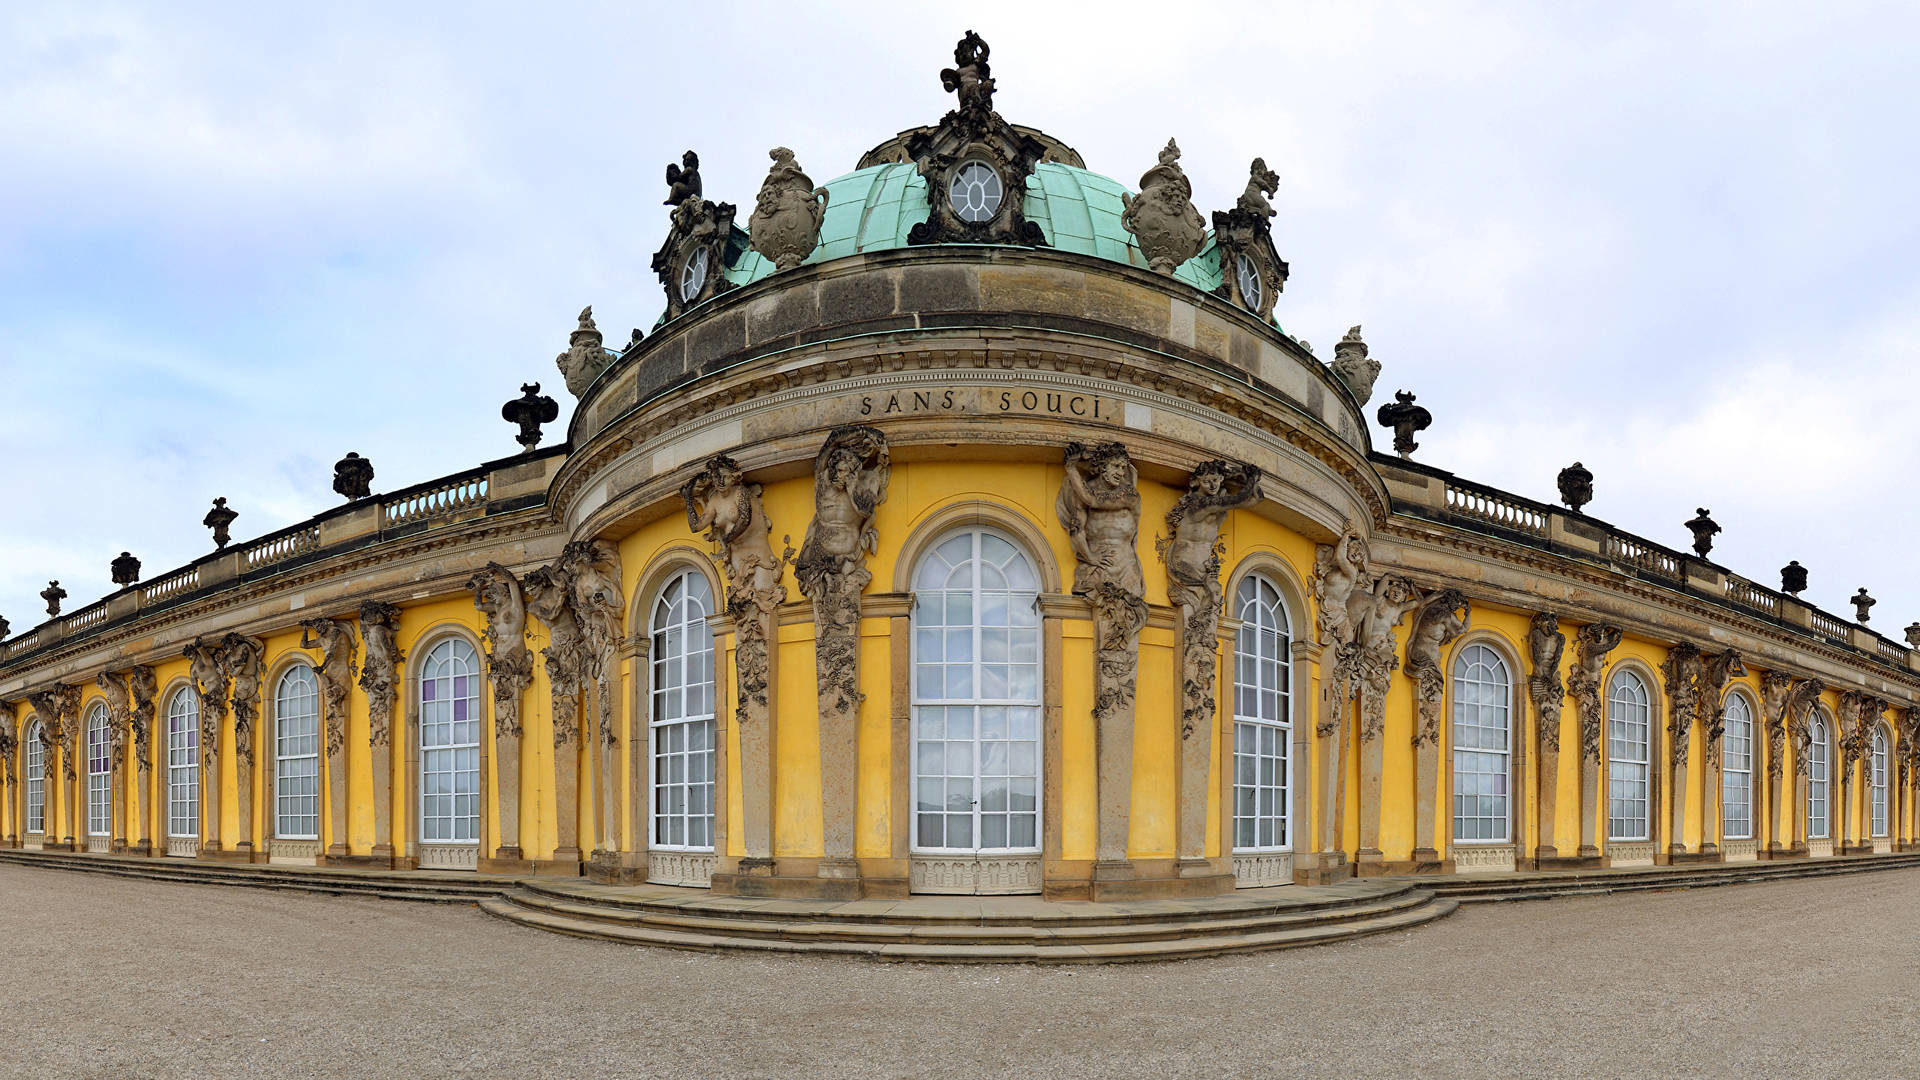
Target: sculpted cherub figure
(683, 180)
(721, 501)
(970, 76)
(1099, 504)
(849, 481)
(1216, 489)
(1261, 182)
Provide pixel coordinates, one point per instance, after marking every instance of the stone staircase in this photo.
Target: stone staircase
(1547, 885)
(429, 886)
(998, 929)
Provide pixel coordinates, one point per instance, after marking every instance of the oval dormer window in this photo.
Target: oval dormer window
(693, 275)
(1248, 276)
(975, 192)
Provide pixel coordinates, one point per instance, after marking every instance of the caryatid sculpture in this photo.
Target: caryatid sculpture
(850, 476)
(143, 685)
(720, 500)
(113, 686)
(1163, 219)
(785, 224)
(1545, 646)
(591, 570)
(209, 677)
(498, 596)
(379, 672)
(1099, 505)
(1440, 618)
(1592, 644)
(336, 670)
(1375, 613)
(1191, 550)
(243, 658)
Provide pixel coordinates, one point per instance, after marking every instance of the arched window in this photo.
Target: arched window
(183, 764)
(1629, 754)
(976, 697)
(99, 773)
(450, 745)
(296, 755)
(1482, 752)
(1736, 770)
(36, 781)
(1262, 719)
(682, 725)
(1818, 757)
(1878, 779)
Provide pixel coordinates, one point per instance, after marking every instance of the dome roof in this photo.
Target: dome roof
(874, 208)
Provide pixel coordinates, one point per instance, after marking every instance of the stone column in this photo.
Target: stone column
(1684, 670)
(607, 700)
(1440, 618)
(1330, 732)
(756, 669)
(566, 770)
(1710, 823)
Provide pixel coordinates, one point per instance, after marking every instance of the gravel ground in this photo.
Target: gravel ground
(101, 977)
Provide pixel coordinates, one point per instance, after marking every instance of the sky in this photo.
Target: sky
(1676, 241)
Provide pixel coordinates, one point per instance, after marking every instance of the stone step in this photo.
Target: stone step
(810, 928)
(1009, 911)
(400, 885)
(1643, 879)
(1187, 946)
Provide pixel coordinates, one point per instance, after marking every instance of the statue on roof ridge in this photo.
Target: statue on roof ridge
(970, 77)
(1261, 182)
(683, 180)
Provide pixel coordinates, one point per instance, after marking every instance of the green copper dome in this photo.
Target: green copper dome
(1079, 211)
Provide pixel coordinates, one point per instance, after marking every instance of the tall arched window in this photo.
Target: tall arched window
(1629, 754)
(1818, 758)
(1262, 719)
(296, 755)
(682, 725)
(1736, 770)
(976, 697)
(1482, 751)
(1878, 780)
(36, 780)
(183, 764)
(450, 745)
(99, 773)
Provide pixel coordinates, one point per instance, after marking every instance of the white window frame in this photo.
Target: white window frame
(1495, 701)
(1251, 779)
(296, 754)
(449, 660)
(671, 677)
(1819, 779)
(1736, 760)
(921, 699)
(99, 750)
(1630, 714)
(36, 774)
(1877, 781)
(183, 764)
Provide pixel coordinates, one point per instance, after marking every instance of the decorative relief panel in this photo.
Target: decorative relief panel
(1484, 859)
(1739, 850)
(1633, 853)
(185, 847)
(689, 868)
(1261, 870)
(449, 856)
(1820, 849)
(293, 852)
(968, 875)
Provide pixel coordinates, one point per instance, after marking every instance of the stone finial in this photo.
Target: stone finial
(585, 357)
(1353, 366)
(1862, 604)
(1793, 578)
(530, 410)
(683, 180)
(785, 224)
(1261, 182)
(53, 594)
(1163, 219)
(353, 476)
(218, 519)
(1703, 528)
(970, 77)
(126, 569)
(1576, 486)
(1405, 418)
(1912, 632)
(5, 627)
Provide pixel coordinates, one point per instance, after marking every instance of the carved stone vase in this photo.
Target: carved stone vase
(785, 226)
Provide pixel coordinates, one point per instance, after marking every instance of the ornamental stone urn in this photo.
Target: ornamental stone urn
(126, 569)
(1163, 219)
(785, 225)
(1703, 528)
(1354, 367)
(218, 519)
(353, 477)
(1862, 605)
(1576, 486)
(1406, 419)
(53, 594)
(1912, 632)
(530, 410)
(1793, 578)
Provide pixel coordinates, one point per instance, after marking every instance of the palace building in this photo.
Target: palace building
(966, 524)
